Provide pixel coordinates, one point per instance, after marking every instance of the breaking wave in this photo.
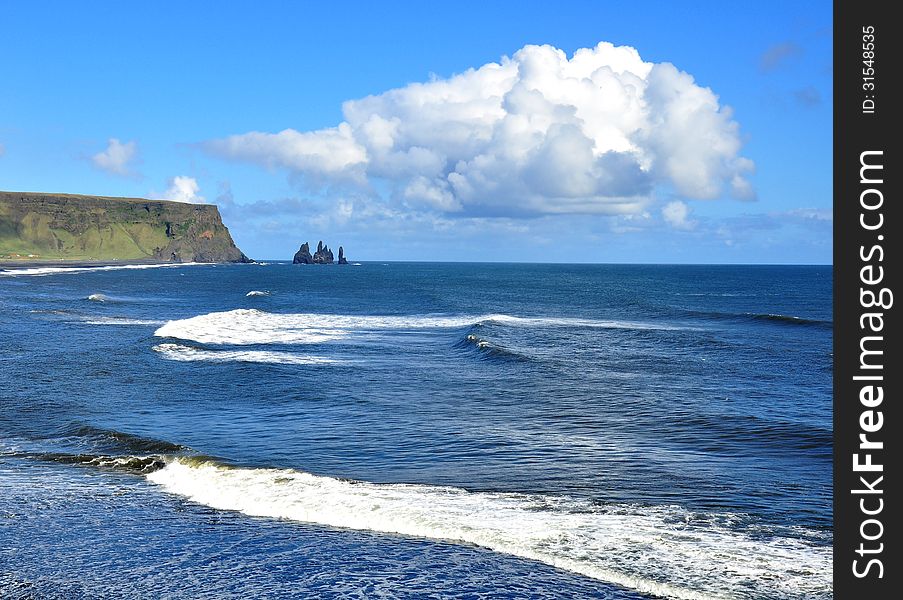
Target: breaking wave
(251, 326)
(129, 464)
(667, 551)
(663, 550)
(488, 349)
(255, 293)
(188, 354)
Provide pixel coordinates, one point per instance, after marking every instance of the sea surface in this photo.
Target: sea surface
(416, 430)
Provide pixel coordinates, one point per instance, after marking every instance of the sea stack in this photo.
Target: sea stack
(322, 256)
(302, 256)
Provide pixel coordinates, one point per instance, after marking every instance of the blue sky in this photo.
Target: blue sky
(382, 128)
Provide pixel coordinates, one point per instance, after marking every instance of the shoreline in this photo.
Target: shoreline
(14, 265)
(75, 264)
(35, 267)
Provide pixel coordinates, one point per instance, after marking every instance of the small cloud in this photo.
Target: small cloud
(116, 158)
(807, 97)
(675, 214)
(778, 55)
(741, 187)
(183, 189)
(810, 215)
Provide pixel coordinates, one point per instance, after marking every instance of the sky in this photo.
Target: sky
(603, 132)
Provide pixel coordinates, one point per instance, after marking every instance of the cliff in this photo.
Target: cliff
(41, 227)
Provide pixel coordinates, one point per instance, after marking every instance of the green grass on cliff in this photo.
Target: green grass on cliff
(36, 226)
(111, 241)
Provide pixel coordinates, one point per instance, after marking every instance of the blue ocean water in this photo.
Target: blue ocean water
(414, 429)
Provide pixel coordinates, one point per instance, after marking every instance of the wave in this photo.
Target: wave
(129, 464)
(574, 322)
(188, 354)
(106, 298)
(69, 270)
(119, 321)
(666, 551)
(112, 440)
(251, 326)
(254, 293)
(789, 319)
(489, 349)
(766, 317)
(661, 550)
(74, 317)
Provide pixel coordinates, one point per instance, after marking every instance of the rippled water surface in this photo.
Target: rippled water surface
(404, 429)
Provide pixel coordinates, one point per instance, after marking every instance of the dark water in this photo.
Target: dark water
(413, 429)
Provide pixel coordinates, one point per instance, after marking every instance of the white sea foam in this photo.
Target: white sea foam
(98, 298)
(254, 293)
(573, 322)
(250, 326)
(188, 354)
(119, 321)
(14, 272)
(664, 550)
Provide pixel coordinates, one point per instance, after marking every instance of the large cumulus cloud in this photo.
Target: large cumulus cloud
(537, 133)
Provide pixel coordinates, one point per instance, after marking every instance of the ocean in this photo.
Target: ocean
(416, 430)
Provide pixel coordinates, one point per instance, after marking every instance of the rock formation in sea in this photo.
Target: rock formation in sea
(322, 256)
(60, 227)
(302, 256)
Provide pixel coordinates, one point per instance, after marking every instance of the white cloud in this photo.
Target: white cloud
(183, 189)
(116, 158)
(537, 133)
(811, 214)
(330, 152)
(675, 214)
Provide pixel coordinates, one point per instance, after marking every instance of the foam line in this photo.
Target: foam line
(189, 354)
(14, 272)
(666, 551)
(119, 321)
(251, 326)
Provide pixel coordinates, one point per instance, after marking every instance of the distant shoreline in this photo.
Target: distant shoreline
(6, 264)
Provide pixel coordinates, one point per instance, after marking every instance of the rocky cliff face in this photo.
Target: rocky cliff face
(37, 226)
